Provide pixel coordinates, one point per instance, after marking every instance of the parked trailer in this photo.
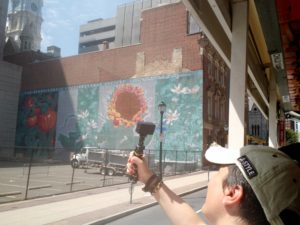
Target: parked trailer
(110, 162)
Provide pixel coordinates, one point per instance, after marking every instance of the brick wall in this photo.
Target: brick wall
(163, 29)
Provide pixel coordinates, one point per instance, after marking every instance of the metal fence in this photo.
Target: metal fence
(38, 172)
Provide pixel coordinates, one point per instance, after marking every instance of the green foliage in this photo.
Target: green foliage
(291, 136)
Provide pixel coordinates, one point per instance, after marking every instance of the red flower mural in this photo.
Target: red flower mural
(47, 120)
(31, 121)
(127, 105)
(29, 102)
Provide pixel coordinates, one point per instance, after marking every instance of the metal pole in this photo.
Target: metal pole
(28, 176)
(72, 179)
(160, 145)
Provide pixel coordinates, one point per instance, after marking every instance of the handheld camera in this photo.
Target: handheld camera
(143, 129)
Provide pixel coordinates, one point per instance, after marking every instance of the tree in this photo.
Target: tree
(291, 136)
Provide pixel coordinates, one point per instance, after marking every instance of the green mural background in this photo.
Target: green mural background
(105, 115)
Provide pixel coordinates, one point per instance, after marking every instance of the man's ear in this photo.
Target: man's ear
(233, 195)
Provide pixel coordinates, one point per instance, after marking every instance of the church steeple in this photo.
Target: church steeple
(24, 24)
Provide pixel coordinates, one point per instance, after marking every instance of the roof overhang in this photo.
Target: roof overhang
(267, 54)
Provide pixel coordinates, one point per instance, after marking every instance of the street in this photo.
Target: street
(155, 215)
(49, 180)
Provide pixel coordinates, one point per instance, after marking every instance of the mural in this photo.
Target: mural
(37, 120)
(105, 114)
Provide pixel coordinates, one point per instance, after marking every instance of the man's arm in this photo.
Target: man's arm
(178, 211)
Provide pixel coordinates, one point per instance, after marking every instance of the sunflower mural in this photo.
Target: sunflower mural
(127, 106)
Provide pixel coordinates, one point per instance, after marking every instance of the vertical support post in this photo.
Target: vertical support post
(176, 162)
(237, 94)
(160, 145)
(29, 171)
(273, 142)
(162, 108)
(105, 166)
(72, 179)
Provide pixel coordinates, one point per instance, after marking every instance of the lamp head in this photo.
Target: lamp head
(162, 107)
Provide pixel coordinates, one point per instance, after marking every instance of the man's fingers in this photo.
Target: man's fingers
(131, 168)
(134, 159)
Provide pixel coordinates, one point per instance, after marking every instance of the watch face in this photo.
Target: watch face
(34, 7)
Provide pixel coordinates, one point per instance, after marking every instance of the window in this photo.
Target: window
(209, 68)
(209, 107)
(97, 31)
(222, 77)
(217, 106)
(255, 130)
(213, 70)
(222, 111)
(14, 24)
(97, 42)
(217, 74)
(193, 27)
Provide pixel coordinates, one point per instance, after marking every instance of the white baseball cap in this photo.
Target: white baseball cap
(273, 176)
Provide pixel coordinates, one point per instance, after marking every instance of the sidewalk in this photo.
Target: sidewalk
(93, 206)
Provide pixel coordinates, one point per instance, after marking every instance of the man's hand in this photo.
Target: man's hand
(139, 165)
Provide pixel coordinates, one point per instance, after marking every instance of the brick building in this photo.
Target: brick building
(84, 91)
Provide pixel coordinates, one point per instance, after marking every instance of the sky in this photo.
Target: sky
(62, 20)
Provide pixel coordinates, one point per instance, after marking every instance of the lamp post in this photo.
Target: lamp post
(162, 108)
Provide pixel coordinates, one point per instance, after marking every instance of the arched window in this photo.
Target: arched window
(217, 73)
(217, 107)
(222, 110)
(255, 130)
(209, 107)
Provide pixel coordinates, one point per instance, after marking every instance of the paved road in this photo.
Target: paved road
(49, 180)
(155, 215)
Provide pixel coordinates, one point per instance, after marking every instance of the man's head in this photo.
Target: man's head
(273, 177)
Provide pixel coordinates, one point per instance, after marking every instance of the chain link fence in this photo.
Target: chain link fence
(39, 172)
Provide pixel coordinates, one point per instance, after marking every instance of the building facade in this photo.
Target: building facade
(3, 15)
(215, 96)
(257, 126)
(24, 25)
(10, 83)
(122, 30)
(97, 35)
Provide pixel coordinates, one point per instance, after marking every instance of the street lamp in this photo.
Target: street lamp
(162, 108)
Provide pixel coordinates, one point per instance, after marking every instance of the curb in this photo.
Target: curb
(137, 209)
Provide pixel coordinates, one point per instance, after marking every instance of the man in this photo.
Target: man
(256, 185)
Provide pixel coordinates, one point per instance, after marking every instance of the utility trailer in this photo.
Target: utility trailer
(110, 162)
